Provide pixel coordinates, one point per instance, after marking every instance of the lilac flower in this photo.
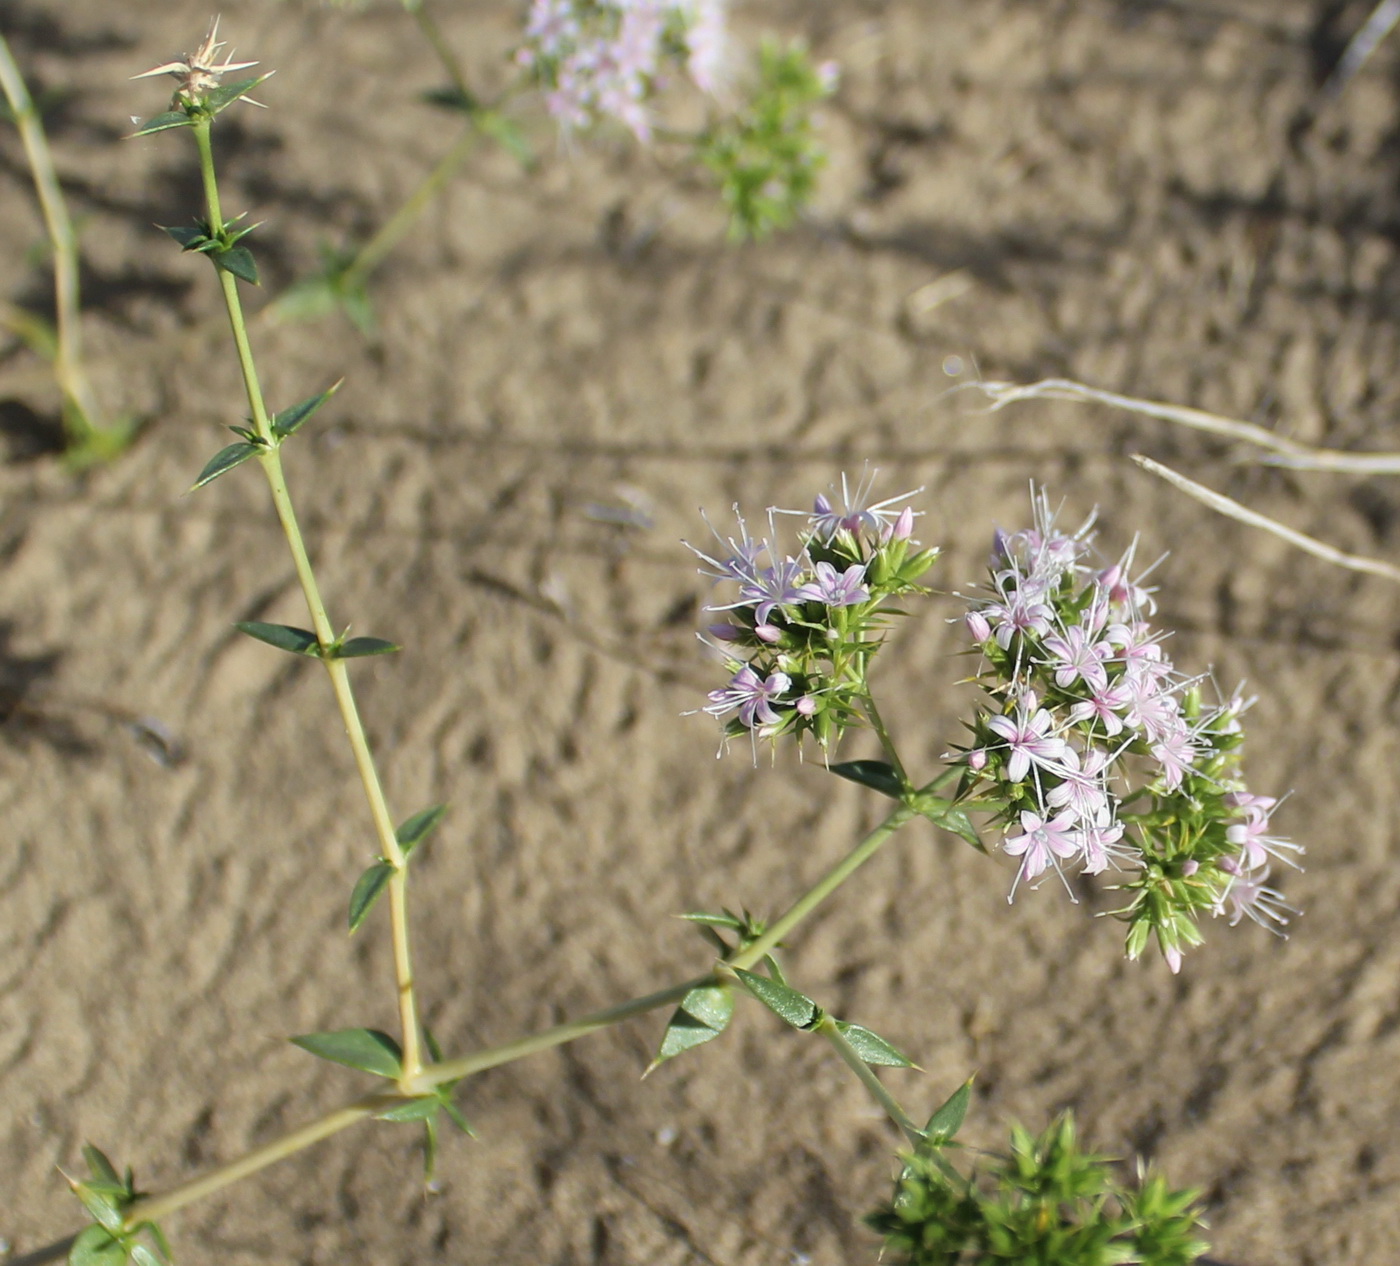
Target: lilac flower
(1078, 654)
(1100, 841)
(855, 516)
(1249, 836)
(753, 696)
(1175, 753)
(1083, 790)
(773, 587)
(1018, 613)
(1248, 896)
(600, 59)
(1103, 706)
(836, 589)
(1029, 740)
(1041, 842)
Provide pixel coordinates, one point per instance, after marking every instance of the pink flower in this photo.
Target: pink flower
(1041, 842)
(753, 696)
(1029, 740)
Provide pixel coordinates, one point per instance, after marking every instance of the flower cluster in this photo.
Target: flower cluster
(598, 59)
(1098, 752)
(799, 633)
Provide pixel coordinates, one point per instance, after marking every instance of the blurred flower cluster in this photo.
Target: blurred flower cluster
(1098, 752)
(799, 634)
(598, 59)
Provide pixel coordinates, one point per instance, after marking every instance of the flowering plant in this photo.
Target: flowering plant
(1090, 749)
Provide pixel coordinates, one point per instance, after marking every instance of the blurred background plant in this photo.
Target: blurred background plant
(89, 436)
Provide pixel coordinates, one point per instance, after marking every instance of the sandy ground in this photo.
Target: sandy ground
(1144, 195)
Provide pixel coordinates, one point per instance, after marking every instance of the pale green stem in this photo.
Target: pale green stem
(887, 742)
(827, 1028)
(153, 1208)
(492, 1057)
(271, 462)
(82, 413)
(396, 227)
(433, 34)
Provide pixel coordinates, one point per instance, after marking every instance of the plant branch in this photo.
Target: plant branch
(271, 461)
(869, 1080)
(82, 413)
(154, 1206)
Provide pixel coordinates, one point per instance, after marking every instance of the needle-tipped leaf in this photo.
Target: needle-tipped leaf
(796, 1008)
(239, 261)
(945, 814)
(416, 829)
(359, 647)
(96, 1247)
(423, 1108)
(286, 422)
(368, 1050)
(225, 460)
(191, 237)
(947, 1121)
(224, 96)
(872, 1048)
(368, 889)
(878, 775)
(283, 636)
(99, 1166)
(163, 123)
(704, 1013)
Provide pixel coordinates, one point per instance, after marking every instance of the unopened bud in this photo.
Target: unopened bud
(769, 633)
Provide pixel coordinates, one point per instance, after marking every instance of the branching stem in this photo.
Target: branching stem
(271, 461)
(155, 1206)
(869, 1080)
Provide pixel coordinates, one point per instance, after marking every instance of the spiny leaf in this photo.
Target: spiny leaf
(369, 1050)
(225, 460)
(99, 1166)
(239, 261)
(283, 636)
(358, 647)
(105, 1206)
(224, 96)
(286, 422)
(947, 1121)
(943, 813)
(454, 1114)
(163, 122)
(142, 1256)
(96, 1247)
(154, 1231)
(872, 1048)
(878, 775)
(796, 1008)
(368, 889)
(416, 829)
(190, 237)
(422, 1108)
(704, 1013)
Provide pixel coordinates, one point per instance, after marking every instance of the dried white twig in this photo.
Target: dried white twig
(1232, 509)
(1285, 452)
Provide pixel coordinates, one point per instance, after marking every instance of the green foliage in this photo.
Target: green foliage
(1046, 1203)
(221, 245)
(704, 1013)
(109, 1198)
(766, 156)
(871, 1047)
(878, 775)
(368, 1050)
(368, 889)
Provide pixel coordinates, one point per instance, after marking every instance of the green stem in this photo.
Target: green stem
(878, 724)
(82, 414)
(396, 227)
(822, 889)
(154, 1207)
(433, 34)
(151, 1207)
(872, 1083)
(271, 462)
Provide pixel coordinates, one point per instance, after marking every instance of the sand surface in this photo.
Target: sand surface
(1146, 196)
